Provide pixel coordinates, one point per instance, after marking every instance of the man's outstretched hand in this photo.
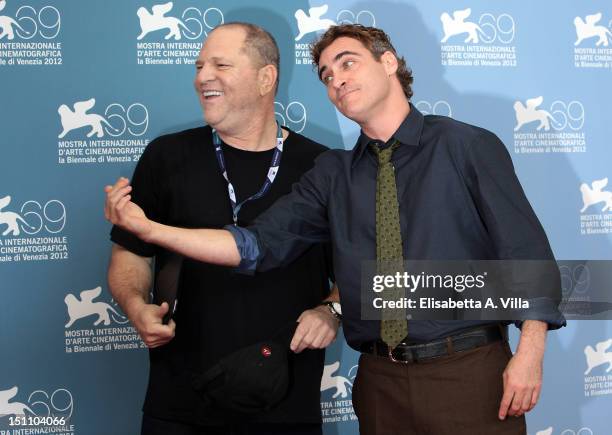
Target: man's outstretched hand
(121, 211)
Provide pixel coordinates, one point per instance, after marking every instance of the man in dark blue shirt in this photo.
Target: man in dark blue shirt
(459, 199)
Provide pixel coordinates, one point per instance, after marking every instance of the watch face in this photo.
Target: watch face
(337, 307)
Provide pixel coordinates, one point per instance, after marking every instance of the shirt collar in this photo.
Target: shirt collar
(408, 133)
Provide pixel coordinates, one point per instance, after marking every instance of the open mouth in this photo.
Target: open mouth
(211, 95)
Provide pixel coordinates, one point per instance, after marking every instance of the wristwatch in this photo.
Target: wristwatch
(335, 308)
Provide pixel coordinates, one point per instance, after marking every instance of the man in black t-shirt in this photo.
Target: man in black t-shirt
(210, 177)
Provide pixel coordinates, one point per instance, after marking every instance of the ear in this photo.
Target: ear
(266, 78)
(389, 62)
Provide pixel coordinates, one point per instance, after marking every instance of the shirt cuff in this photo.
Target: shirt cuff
(544, 310)
(247, 248)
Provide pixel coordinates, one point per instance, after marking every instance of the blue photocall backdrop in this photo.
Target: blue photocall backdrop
(86, 85)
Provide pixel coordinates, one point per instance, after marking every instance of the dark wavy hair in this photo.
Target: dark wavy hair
(375, 40)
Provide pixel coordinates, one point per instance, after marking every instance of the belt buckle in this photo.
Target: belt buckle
(392, 358)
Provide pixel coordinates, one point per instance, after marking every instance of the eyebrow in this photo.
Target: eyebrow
(336, 59)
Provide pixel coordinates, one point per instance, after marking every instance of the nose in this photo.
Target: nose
(205, 74)
(338, 81)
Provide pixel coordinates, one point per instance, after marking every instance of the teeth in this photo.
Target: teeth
(212, 93)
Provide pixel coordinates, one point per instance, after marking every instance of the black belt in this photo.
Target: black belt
(407, 353)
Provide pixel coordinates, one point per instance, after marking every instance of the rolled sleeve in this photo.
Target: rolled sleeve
(544, 310)
(247, 247)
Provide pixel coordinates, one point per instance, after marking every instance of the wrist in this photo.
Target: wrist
(153, 234)
(133, 305)
(333, 308)
(533, 339)
(534, 353)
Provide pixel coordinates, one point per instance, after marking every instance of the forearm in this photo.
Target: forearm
(533, 338)
(129, 278)
(206, 245)
(334, 295)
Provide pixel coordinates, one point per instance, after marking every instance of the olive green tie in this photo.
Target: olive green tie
(389, 254)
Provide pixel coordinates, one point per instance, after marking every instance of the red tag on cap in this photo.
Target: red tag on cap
(266, 351)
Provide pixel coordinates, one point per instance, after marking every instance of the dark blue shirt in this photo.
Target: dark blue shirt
(459, 199)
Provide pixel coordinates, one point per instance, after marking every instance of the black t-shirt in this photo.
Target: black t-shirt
(178, 182)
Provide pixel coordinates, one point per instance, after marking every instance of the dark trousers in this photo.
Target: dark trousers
(458, 394)
(156, 426)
